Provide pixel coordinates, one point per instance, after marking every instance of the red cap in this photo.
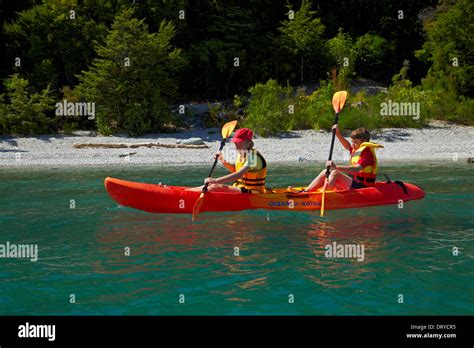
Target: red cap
(242, 134)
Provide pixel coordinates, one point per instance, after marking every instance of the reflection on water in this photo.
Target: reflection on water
(169, 249)
(407, 251)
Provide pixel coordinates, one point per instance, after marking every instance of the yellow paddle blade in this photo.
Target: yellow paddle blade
(338, 100)
(228, 128)
(197, 206)
(323, 197)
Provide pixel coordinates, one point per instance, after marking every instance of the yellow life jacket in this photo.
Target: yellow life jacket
(368, 174)
(254, 179)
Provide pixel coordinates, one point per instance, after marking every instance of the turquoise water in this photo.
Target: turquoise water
(408, 251)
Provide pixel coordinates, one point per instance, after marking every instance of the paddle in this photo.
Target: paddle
(338, 100)
(227, 130)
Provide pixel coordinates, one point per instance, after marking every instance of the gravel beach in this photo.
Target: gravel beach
(436, 142)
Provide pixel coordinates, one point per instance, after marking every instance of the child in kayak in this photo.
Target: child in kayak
(249, 171)
(363, 169)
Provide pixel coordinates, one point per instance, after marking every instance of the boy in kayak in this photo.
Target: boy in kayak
(249, 171)
(363, 169)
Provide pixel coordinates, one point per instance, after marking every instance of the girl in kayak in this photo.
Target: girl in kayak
(363, 169)
(249, 171)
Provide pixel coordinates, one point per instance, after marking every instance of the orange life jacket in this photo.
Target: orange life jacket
(368, 174)
(254, 179)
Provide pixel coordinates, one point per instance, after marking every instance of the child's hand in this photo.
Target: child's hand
(335, 127)
(331, 165)
(210, 181)
(219, 156)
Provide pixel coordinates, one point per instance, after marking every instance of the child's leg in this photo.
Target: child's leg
(318, 182)
(339, 180)
(217, 188)
(197, 189)
(223, 188)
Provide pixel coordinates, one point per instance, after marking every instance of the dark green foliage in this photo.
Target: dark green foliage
(450, 48)
(132, 81)
(372, 54)
(226, 47)
(268, 109)
(52, 46)
(303, 38)
(23, 111)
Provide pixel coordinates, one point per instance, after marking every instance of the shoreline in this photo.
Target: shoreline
(439, 141)
(207, 165)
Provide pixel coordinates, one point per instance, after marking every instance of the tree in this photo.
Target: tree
(343, 55)
(225, 48)
(134, 78)
(25, 111)
(54, 43)
(303, 36)
(373, 53)
(449, 47)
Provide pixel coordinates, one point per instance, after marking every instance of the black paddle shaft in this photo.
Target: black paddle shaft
(336, 119)
(204, 189)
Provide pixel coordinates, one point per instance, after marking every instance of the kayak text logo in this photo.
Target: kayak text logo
(66, 108)
(391, 108)
(346, 251)
(37, 331)
(20, 251)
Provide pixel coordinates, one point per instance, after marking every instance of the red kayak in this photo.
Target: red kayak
(180, 200)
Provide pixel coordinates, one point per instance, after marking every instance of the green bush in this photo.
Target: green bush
(365, 116)
(372, 54)
(448, 48)
(24, 111)
(437, 104)
(463, 113)
(404, 92)
(314, 111)
(341, 51)
(4, 110)
(445, 105)
(268, 110)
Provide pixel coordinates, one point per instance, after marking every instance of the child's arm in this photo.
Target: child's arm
(343, 140)
(230, 167)
(229, 177)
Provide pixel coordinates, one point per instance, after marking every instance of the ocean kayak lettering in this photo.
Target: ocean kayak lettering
(310, 204)
(281, 204)
(293, 203)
